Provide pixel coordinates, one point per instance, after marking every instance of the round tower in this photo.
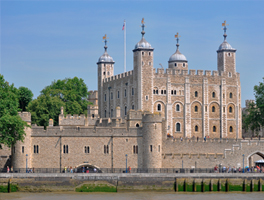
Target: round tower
(21, 151)
(152, 140)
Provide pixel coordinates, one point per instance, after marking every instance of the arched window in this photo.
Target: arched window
(213, 94)
(178, 127)
(157, 92)
(230, 95)
(196, 128)
(118, 94)
(164, 91)
(159, 107)
(195, 108)
(196, 94)
(230, 109)
(133, 107)
(174, 92)
(175, 64)
(213, 109)
(154, 91)
(230, 129)
(137, 125)
(125, 92)
(177, 107)
(214, 128)
(105, 113)
(125, 110)
(161, 92)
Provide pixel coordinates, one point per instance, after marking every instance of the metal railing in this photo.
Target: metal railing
(124, 170)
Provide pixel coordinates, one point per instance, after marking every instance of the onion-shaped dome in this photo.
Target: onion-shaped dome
(177, 56)
(143, 44)
(225, 46)
(105, 58)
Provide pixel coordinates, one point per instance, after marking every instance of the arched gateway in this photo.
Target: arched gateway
(250, 160)
(82, 168)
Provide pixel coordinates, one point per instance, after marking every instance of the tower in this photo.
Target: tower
(178, 60)
(226, 56)
(143, 73)
(105, 68)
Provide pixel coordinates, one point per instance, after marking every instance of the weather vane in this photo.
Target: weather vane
(224, 25)
(177, 39)
(105, 41)
(143, 26)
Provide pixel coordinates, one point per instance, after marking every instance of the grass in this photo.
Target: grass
(4, 188)
(96, 188)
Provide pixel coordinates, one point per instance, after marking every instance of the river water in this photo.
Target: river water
(131, 196)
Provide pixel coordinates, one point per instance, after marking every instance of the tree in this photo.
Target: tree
(70, 93)
(11, 125)
(25, 96)
(44, 108)
(255, 111)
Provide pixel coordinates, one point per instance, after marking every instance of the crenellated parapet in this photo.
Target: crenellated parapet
(118, 76)
(25, 116)
(72, 120)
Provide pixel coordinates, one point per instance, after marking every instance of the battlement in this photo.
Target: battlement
(93, 94)
(118, 76)
(132, 114)
(248, 102)
(25, 116)
(151, 117)
(73, 120)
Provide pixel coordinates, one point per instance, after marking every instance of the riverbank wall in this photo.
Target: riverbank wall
(201, 182)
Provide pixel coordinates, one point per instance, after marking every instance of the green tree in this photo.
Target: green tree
(44, 108)
(25, 96)
(254, 119)
(11, 125)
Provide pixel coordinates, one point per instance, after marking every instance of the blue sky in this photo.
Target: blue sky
(42, 41)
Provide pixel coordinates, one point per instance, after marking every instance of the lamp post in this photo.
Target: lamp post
(243, 164)
(126, 163)
(26, 162)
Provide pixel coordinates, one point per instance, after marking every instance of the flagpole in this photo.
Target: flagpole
(124, 45)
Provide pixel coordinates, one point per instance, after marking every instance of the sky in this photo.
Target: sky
(43, 41)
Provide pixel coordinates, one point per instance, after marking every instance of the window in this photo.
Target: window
(92, 115)
(158, 107)
(196, 94)
(86, 149)
(157, 92)
(108, 73)
(230, 109)
(161, 92)
(105, 113)
(36, 149)
(196, 128)
(178, 127)
(132, 92)
(149, 53)
(175, 64)
(195, 108)
(229, 74)
(183, 64)
(137, 125)
(213, 109)
(142, 53)
(118, 94)
(112, 112)
(154, 91)
(230, 95)
(23, 149)
(214, 128)
(224, 109)
(164, 91)
(111, 95)
(105, 97)
(229, 54)
(159, 148)
(213, 94)
(174, 92)
(135, 149)
(126, 140)
(146, 98)
(149, 63)
(205, 108)
(150, 148)
(125, 110)
(106, 149)
(133, 107)
(230, 129)
(125, 92)
(177, 107)
(65, 149)
(104, 73)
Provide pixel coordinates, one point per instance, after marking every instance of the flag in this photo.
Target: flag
(123, 26)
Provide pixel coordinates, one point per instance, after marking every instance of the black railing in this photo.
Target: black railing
(132, 170)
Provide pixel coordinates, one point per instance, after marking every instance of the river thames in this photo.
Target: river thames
(130, 196)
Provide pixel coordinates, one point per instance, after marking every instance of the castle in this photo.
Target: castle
(155, 119)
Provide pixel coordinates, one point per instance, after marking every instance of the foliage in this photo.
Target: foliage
(25, 96)
(96, 188)
(44, 108)
(4, 188)
(73, 92)
(11, 125)
(255, 111)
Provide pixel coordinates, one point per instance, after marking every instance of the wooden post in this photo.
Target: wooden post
(185, 185)
(211, 185)
(176, 185)
(260, 185)
(244, 185)
(219, 185)
(227, 185)
(9, 185)
(203, 186)
(194, 185)
(252, 185)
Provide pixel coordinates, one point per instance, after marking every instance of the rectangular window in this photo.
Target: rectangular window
(65, 149)
(23, 149)
(111, 95)
(135, 149)
(106, 149)
(159, 148)
(125, 110)
(118, 94)
(105, 97)
(86, 149)
(125, 93)
(36, 149)
(150, 148)
(146, 97)
(112, 112)
(132, 91)
(164, 91)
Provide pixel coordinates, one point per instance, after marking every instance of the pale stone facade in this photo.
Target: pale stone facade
(157, 118)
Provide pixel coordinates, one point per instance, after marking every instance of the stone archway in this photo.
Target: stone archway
(250, 159)
(88, 166)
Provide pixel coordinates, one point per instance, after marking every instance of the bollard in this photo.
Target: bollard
(244, 185)
(185, 185)
(203, 186)
(219, 185)
(194, 185)
(252, 185)
(9, 185)
(176, 185)
(227, 185)
(211, 185)
(260, 185)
